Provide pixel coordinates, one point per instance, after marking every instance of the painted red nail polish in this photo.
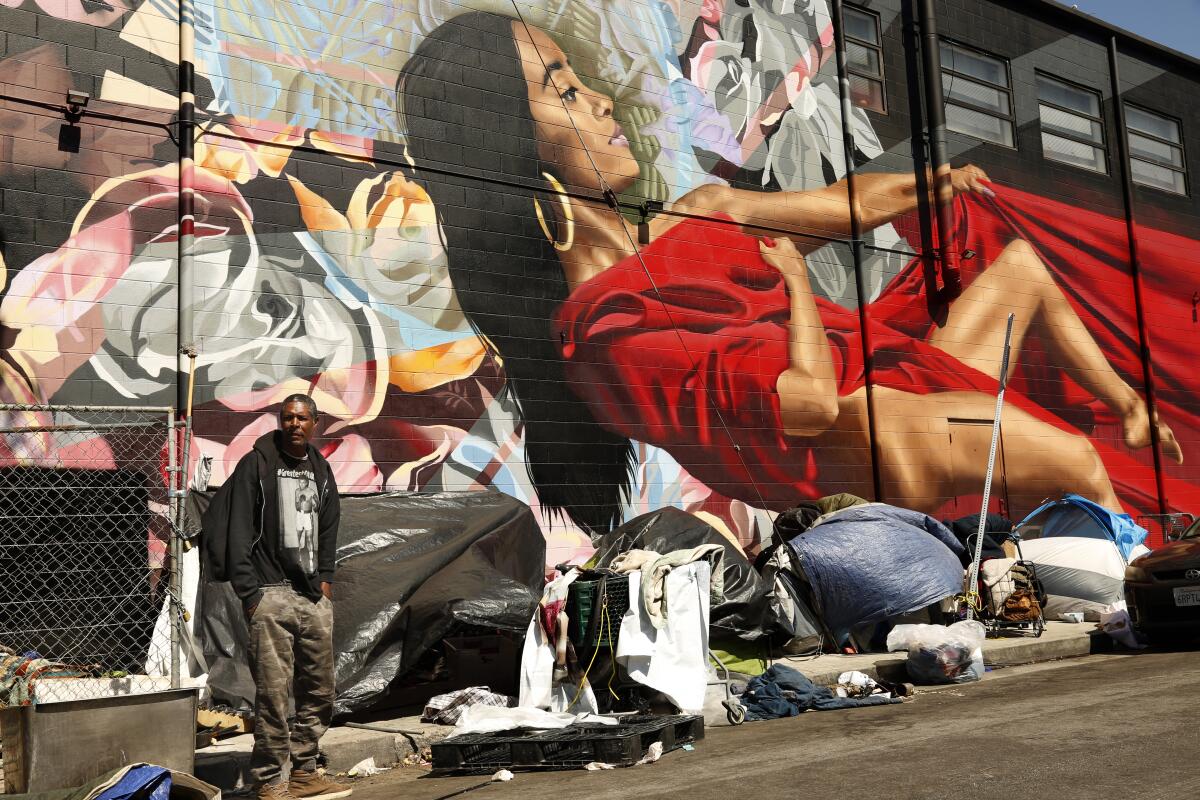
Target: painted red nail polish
(768, 241)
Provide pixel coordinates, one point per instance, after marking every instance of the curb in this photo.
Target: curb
(390, 741)
(225, 764)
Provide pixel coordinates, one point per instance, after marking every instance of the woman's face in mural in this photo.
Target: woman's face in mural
(555, 90)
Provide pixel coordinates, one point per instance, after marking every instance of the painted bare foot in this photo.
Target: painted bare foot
(1136, 425)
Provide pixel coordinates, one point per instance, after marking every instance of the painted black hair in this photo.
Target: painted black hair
(465, 108)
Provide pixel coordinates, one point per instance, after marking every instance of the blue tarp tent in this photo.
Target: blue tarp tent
(874, 561)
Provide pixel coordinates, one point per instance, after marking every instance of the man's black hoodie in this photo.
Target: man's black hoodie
(256, 557)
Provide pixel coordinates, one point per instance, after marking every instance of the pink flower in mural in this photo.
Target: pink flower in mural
(710, 11)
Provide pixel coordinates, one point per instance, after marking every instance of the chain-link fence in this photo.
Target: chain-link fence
(87, 572)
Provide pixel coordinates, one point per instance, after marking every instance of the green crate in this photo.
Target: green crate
(584, 600)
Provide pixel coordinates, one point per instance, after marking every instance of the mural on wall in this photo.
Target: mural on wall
(394, 215)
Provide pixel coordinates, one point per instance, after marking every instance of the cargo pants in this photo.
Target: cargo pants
(291, 650)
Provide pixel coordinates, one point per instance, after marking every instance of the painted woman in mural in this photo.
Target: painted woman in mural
(706, 339)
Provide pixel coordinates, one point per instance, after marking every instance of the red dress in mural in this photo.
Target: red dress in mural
(685, 352)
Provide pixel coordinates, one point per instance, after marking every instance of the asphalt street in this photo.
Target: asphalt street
(1098, 727)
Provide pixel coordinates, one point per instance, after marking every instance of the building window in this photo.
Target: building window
(978, 94)
(864, 58)
(1072, 128)
(1155, 150)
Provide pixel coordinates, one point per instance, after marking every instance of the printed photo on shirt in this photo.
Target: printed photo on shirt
(298, 500)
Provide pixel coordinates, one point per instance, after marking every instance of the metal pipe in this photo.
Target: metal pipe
(856, 241)
(935, 119)
(972, 592)
(72, 408)
(1135, 270)
(187, 203)
(174, 609)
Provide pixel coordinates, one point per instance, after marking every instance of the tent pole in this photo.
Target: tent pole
(972, 593)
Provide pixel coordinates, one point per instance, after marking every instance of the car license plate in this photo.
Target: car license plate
(1187, 595)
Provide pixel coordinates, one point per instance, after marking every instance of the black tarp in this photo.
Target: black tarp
(745, 612)
(412, 568)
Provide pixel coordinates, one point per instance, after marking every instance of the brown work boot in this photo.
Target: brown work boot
(313, 785)
(273, 791)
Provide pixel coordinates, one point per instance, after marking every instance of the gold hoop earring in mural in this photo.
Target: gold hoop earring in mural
(568, 215)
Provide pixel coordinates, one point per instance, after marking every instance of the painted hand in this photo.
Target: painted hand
(971, 179)
(781, 253)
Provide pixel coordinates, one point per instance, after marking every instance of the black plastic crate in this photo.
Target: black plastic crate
(591, 623)
(570, 748)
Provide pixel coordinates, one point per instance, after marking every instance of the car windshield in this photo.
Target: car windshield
(1193, 531)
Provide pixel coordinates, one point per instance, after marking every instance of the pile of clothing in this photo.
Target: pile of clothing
(784, 692)
(20, 673)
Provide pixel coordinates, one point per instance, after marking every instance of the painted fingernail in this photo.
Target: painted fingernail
(988, 192)
(768, 241)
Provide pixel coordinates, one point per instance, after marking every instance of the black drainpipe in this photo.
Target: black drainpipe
(935, 119)
(856, 242)
(1136, 272)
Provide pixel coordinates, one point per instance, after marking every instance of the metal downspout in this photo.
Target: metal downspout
(935, 119)
(185, 328)
(856, 242)
(1136, 273)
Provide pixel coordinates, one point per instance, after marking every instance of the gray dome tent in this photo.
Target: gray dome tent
(1080, 550)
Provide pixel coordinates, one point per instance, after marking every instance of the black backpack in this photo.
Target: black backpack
(214, 528)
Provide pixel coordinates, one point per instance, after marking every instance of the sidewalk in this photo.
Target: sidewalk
(390, 741)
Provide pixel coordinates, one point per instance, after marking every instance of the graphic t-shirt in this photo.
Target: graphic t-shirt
(298, 504)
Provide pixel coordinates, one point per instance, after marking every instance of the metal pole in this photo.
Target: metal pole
(856, 242)
(1136, 272)
(174, 611)
(187, 196)
(987, 485)
(935, 115)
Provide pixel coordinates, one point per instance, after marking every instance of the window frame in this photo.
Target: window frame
(877, 46)
(1103, 144)
(1182, 169)
(1010, 118)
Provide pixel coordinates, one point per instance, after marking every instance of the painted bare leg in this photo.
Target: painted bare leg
(1018, 282)
(1041, 460)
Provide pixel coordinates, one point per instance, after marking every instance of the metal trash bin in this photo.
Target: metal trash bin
(63, 744)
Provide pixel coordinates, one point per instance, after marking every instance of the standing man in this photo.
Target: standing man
(283, 524)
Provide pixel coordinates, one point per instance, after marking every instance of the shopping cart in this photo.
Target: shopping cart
(1012, 600)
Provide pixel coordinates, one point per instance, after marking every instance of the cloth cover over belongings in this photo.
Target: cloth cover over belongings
(412, 568)
(1079, 551)
(783, 692)
(795, 521)
(746, 611)
(997, 529)
(874, 561)
(446, 709)
(940, 653)
(672, 659)
(655, 567)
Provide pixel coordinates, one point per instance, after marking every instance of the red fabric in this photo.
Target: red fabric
(676, 366)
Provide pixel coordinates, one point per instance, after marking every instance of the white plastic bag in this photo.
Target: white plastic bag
(940, 653)
(1115, 621)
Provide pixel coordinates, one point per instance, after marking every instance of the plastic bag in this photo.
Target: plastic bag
(940, 653)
